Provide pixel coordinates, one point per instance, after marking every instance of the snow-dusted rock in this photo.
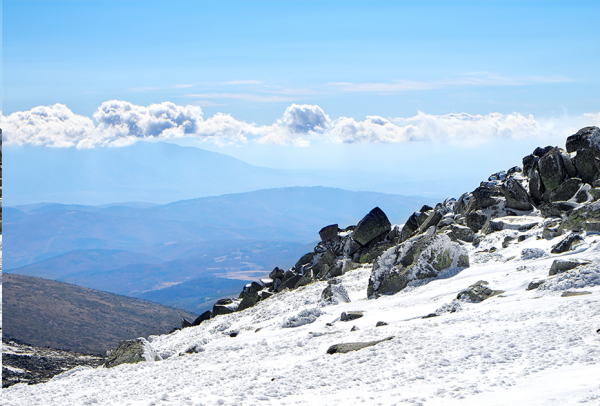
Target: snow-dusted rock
(306, 316)
(334, 294)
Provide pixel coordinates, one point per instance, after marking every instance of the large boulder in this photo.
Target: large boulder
(225, 306)
(566, 190)
(371, 226)
(478, 292)
(329, 232)
(335, 294)
(552, 169)
(588, 137)
(582, 217)
(250, 295)
(515, 194)
(131, 352)
(203, 317)
(413, 223)
(587, 162)
(483, 197)
(323, 262)
(567, 244)
(421, 257)
(536, 186)
(564, 265)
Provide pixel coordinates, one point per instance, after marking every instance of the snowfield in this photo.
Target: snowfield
(519, 348)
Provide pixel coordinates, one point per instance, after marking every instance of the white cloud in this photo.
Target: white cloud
(121, 123)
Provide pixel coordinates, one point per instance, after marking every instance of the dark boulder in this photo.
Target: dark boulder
(290, 283)
(557, 209)
(552, 170)
(566, 190)
(536, 186)
(476, 220)
(381, 323)
(350, 316)
(587, 162)
(224, 306)
(564, 265)
(516, 196)
(203, 317)
(329, 232)
(250, 296)
(185, 323)
(567, 244)
(585, 138)
(277, 273)
(482, 197)
(306, 259)
(478, 292)
(324, 263)
(540, 152)
(552, 230)
(462, 233)
(534, 285)
(432, 220)
(129, 352)
(412, 224)
(529, 164)
(371, 226)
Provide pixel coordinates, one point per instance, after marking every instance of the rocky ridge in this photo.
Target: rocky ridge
(555, 189)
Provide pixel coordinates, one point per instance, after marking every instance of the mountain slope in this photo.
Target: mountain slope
(59, 315)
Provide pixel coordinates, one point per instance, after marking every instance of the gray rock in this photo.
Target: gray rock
(306, 259)
(371, 226)
(564, 265)
(552, 230)
(324, 263)
(350, 316)
(585, 138)
(534, 285)
(432, 220)
(277, 273)
(482, 197)
(568, 164)
(478, 292)
(462, 233)
(412, 224)
(476, 220)
(533, 253)
(587, 162)
(354, 328)
(381, 324)
(329, 232)
(569, 294)
(516, 196)
(567, 244)
(347, 347)
(529, 164)
(589, 212)
(552, 170)
(224, 306)
(128, 352)
(566, 190)
(595, 193)
(557, 209)
(592, 226)
(335, 294)
(290, 283)
(265, 294)
(536, 186)
(582, 196)
(185, 323)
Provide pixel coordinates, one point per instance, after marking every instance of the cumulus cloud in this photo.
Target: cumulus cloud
(119, 123)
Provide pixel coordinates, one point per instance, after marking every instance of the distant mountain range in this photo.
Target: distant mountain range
(162, 172)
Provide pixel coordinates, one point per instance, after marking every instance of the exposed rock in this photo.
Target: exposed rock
(587, 137)
(350, 316)
(476, 220)
(594, 193)
(203, 317)
(277, 273)
(589, 212)
(290, 283)
(482, 198)
(194, 349)
(372, 225)
(557, 209)
(462, 233)
(323, 262)
(552, 170)
(564, 265)
(587, 162)
(265, 294)
(540, 152)
(354, 328)
(225, 306)
(536, 187)
(418, 258)
(478, 292)
(381, 324)
(566, 190)
(306, 316)
(568, 164)
(185, 323)
(533, 253)
(582, 196)
(569, 294)
(567, 244)
(335, 294)
(131, 352)
(413, 223)
(306, 259)
(329, 232)
(529, 164)
(534, 285)
(518, 223)
(432, 220)
(516, 196)
(347, 347)
(552, 230)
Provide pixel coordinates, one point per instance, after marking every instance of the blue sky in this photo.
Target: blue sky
(521, 72)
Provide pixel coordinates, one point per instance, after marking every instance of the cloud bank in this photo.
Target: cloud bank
(119, 123)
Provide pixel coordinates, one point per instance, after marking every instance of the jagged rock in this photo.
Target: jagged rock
(592, 226)
(347, 347)
(552, 169)
(588, 137)
(335, 294)
(131, 352)
(533, 253)
(194, 349)
(374, 253)
(265, 294)
(566, 190)
(413, 223)
(557, 209)
(476, 220)
(529, 164)
(290, 283)
(568, 164)
(306, 259)
(564, 265)
(461, 204)
(381, 324)
(507, 241)
(323, 262)
(587, 162)
(516, 196)
(266, 282)
(462, 233)
(534, 285)
(277, 273)
(432, 220)
(185, 323)
(420, 257)
(250, 289)
(540, 152)
(567, 244)
(536, 187)
(478, 292)
(569, 294)
(482, 198)
(224, 306)
(203, 317)
(350, 316)
(552, 230)
(249, 296)
(371, 226)
(329, 232)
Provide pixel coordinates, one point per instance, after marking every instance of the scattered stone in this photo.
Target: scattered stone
(354, 328)
(347, 347)
(552, 230)
(564, 265)
(478, 292)
(194, 349)
(225, 306)
(430, 315)
(233, 334)
(335, 294)
(567, 244)
(350, 316)
(534, 285)
(533, 253)
(381, 323)
(569, 293)
(258, 329)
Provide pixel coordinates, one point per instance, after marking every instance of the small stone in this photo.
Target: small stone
(429, 316)
(381, 323)
(534, 285)
(233, 334)
(569, 294)
(354, 328)
(351, 316)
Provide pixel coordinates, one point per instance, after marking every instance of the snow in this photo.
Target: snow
(521, 347)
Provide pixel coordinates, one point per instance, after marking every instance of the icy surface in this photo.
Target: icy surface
(491, 353)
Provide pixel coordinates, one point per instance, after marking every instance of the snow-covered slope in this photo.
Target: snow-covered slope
(521, 347)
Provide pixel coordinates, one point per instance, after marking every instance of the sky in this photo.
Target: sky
(288, 84)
